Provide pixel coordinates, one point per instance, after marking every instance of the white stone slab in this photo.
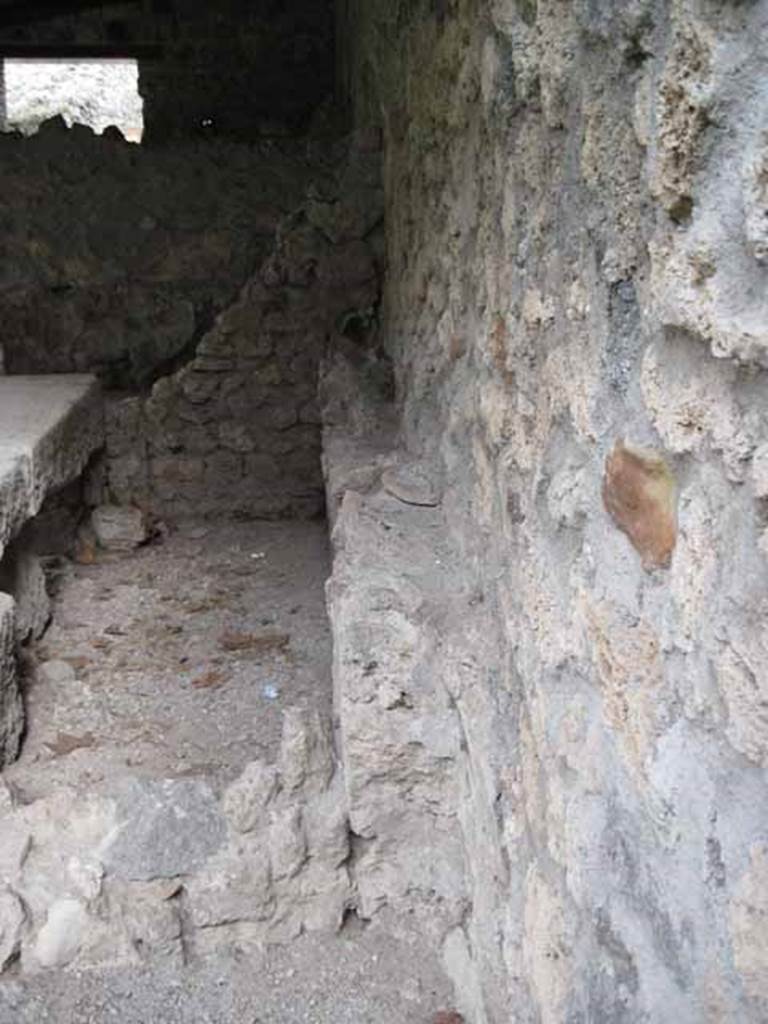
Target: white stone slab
(49, 428)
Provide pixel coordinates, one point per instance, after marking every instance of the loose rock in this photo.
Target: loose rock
(119, 528)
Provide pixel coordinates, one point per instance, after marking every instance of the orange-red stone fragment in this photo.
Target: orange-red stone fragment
(639, 494)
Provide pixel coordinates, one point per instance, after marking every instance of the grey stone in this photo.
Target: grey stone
(326, 822)
(56, 673)
(349, 218)
(287, 842)
(119, 528)
(22, 576)
(11, 709)
(565, 722)
(306, 754)
(237, 886)
(164, 829)
(401, 740)
(153, 923)
(247, 798)
(49, 427)
(411, 484)
(12, 920)
(59, 940)
(6, 797)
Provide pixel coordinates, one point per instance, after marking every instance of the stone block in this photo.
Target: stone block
(61, 937)
(247, 798)
(22, 576)
(12, 920)
(119, 528)
(287, 842)
(236, 886)
(306, 752)
(165, 829)
(49, 428)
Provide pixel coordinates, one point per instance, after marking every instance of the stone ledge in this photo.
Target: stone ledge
(389, 597)
(49, 428)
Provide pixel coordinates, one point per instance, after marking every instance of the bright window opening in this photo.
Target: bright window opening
(97, 93)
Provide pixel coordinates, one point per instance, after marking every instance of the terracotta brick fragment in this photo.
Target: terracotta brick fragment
(639, 494)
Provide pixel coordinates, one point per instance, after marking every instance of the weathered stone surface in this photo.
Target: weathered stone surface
(748, 915)
(306, 754)
(33, 605)
(116, 271)
(236, 430)
(152, 921)
(247, 798)
(164, 829)
(158, 286)
(287, 842)
(326, 823)
(12, 918)
(235, 887)
(56, 673)
(284, 868)
(22, 576)
(49, 428)
(399, 735)
(119, 528)
(639, 493)
(411, 484)
(576, 253)
(63, 933)
(552, 757)
(11, 709)
(11, 925)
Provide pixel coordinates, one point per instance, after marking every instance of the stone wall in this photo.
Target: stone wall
(572, 702)
(200, 284)
(236, 430)
(116, 258)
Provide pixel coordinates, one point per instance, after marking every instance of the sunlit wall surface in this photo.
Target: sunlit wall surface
(97, 93)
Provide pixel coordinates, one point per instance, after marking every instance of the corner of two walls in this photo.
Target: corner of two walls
(575, 304)
(200, 282)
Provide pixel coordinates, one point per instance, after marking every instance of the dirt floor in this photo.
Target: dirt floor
(177, 661)
(184, 654)
(362, 977)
